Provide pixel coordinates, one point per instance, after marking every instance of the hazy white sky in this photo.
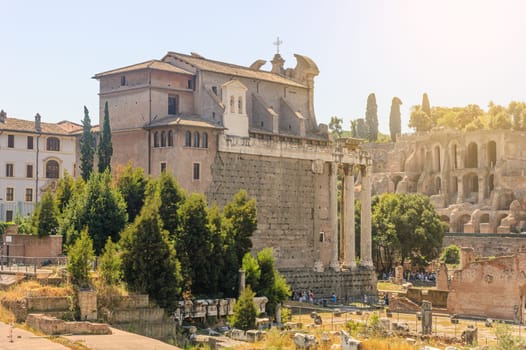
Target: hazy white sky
(458, 51)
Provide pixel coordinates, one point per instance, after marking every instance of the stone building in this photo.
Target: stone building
(475, 179)
(33, 156)
(219, 127)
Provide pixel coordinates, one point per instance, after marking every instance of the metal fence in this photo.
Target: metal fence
(30, 264)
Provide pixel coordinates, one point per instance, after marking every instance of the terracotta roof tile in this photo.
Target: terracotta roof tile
(21, 125)
(184, 120)
(152, 64)
(232, 69)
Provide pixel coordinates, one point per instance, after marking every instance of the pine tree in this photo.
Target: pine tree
(98, 206)
(65, 191)
(110, 264)
(395, 122)
(80, 259)
(193, 244)
(241, 214)
(105, 150)
(46, 216)
(245, 311)
(371, 118)
(87, 147)
(149, 259)
(172, 197)
(132, 184)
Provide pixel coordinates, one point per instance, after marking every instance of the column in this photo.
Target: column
(366, 259)
(333, 215)
(349, 238)
(460, 190)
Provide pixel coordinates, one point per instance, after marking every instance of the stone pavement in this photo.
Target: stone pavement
(23, 340)
(120, 340)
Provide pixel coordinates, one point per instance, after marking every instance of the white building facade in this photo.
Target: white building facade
(33, 156)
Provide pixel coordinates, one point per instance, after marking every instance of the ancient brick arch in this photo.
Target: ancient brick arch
(472, 156)
(492, 154)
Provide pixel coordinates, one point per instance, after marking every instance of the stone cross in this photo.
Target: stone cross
(277, 43)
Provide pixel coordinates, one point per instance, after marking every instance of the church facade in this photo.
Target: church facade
(219, 127)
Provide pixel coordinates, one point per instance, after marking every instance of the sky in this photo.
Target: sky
(458, 51)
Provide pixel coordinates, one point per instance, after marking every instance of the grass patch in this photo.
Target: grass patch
(388, 286)
(33, 289)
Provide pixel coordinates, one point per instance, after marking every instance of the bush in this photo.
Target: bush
(245, 311)
(451, 255)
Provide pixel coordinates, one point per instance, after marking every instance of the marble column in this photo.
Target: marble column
(349, 238)
(333, 215)
(366, 258)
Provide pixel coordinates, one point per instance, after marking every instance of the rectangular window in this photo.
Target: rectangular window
(190, 84)
(30, 142)
(9, 170)
(9, 215)
(29, 170)
(10, 194)
(10, 141)
(172, 105)
(196, 171)
(29, 194)
(163, 166)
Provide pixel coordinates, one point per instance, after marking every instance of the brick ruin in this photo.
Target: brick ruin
(486, 287)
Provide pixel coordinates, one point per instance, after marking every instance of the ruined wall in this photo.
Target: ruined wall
(488, 246)
(291, 199)
(490, 288)
(32, 246)
(346, 284)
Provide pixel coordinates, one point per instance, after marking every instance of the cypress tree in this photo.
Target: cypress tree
(105, 150)
(371, 118)
(426, 107)
(87, 147)
(395, 122)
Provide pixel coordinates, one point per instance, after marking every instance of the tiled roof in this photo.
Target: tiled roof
(21, 125)
(183, 120)
(232, 69)
(152, 64)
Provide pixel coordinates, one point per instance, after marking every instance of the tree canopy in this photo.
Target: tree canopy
(149, 259)
(405, 227)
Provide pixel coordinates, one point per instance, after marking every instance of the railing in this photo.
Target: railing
(30, 264)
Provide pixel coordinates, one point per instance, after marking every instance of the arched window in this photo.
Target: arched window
(53, 144)
(170, 138)
(188, 139)
(52, 169)
(196, 139)
(163, 138)
(204, 144)
(232, 105)
(240, 105)
(156, 139)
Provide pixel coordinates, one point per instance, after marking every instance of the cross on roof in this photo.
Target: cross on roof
(277, 43)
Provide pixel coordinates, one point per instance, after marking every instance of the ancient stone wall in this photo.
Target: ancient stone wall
(345, 284)
(490, 287)
(291, 200)
(488, 245)
(53, 326)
